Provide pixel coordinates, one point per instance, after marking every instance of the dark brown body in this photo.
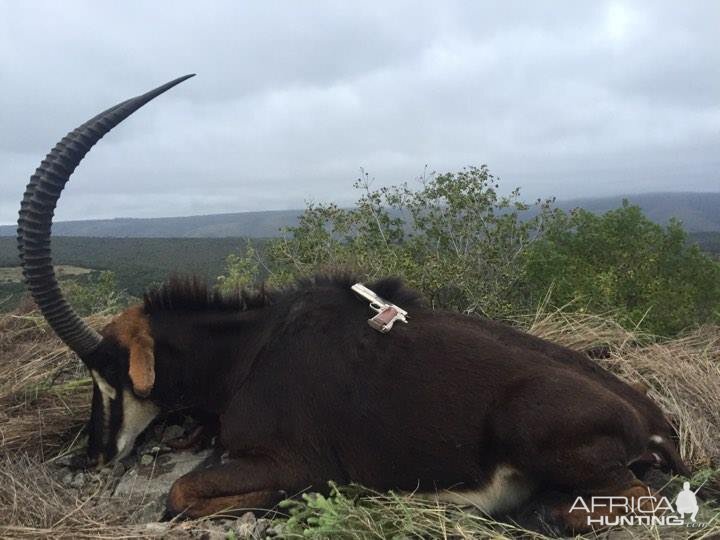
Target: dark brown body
(306, 392)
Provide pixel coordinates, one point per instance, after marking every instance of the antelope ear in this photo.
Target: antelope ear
(132, 329)
(142, 365)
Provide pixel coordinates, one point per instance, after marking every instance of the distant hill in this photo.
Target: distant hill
(699, 212)
(243, 224)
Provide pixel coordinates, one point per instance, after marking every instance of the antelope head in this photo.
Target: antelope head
(120, 358)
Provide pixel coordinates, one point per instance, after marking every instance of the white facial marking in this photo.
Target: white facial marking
(506, 490)
(107, 393)
(657, 439)
(103, 385)
(137, 414)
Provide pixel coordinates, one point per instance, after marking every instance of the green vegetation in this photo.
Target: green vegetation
(242, 271)
(624, 263)
(467, 248)
(455, 239)
(708, 242)
(99, 294)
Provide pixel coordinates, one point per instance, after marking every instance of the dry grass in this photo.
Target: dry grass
(34, 504)
(683, 374)
(44, 390)
(44, 400)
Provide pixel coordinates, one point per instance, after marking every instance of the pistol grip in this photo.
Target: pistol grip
(384, 320)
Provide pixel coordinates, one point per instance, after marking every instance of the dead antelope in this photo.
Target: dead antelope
(304, 391)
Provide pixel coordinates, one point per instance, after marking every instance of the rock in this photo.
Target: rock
(129, 484)
(154, 482)
(146, 478)
(151, 511)
(172, 432)
(79, 481)
(67, 478)
(118, 469)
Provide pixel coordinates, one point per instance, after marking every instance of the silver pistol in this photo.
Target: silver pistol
(387, 312)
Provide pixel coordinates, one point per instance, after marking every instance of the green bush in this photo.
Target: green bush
(623, 262)
(97, 294)
(467, 248)
(455, 239)
(241, 272)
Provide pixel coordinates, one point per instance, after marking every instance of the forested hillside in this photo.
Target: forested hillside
(136, 262)
(697, 212)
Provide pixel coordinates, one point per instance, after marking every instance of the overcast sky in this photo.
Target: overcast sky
(562, 98)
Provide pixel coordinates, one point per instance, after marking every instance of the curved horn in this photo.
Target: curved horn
(36, 213)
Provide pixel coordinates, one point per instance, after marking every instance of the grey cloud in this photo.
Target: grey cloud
(292, 98)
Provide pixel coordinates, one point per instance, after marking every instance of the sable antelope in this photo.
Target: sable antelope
(305, 392)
